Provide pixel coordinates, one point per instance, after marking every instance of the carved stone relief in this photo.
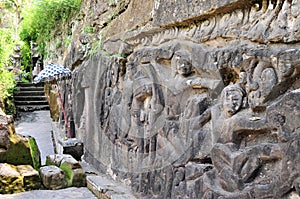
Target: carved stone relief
(207, 111)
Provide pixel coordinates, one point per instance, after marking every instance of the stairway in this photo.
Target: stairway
(30, 97)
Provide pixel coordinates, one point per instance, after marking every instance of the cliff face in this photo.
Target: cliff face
(196, 99)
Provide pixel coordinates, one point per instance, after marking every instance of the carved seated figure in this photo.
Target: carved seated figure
(185, 88)
(237, 164)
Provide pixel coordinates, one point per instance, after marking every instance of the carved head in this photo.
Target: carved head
(285, 68)
(285, 64)
(182, 62)
(232, 99)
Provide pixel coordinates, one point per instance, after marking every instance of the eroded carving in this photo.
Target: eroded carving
(208, 110)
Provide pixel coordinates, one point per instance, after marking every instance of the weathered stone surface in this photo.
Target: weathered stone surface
(70, 162)
(104, 187)
(23, 150)
(73, 172)
(203, 106)
(52, 93)
(16, 149)
(15, 179)
(4, 139)
(73, 147)
(171, 12)
(10, 179)
(55, 159)
(31, 177)
(75, 175)
(52, 177)
(78, 178)
(70, 193)
(126, 18)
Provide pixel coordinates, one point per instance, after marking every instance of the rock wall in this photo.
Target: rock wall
(190, 99)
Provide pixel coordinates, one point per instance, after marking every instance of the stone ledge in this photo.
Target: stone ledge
(104, 187)
(71, 146)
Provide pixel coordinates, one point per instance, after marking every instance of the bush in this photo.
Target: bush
(7, 85)
(41, 19)
(7, 82)
(6, 46)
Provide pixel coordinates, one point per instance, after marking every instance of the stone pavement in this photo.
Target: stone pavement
(69, 193)
(37, 124)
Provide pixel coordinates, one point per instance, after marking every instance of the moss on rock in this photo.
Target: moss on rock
(11, 180)
(22, 150)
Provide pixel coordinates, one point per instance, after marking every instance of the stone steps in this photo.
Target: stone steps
(104, 187)
(30, 97)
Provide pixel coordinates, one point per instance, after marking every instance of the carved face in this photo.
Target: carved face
(183, 66)
(232, 102)
(285, 69)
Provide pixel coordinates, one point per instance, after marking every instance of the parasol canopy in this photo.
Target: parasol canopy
(51, 72)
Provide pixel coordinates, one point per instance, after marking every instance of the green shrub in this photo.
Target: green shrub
(7, 82)
(6, 46)
(41, 19)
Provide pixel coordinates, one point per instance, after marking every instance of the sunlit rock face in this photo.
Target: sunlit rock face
(192, 100)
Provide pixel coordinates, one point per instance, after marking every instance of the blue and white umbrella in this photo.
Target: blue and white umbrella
(51, 72)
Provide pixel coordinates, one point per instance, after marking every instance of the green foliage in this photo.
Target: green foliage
(7, 43)
(26, 65)
(96, 46)
(68, 173)
(6, 46)
(42, 18)
(68, 41)
(26, 57)
(88, 29)
(7, 84)
(35, 154)
(58, 44)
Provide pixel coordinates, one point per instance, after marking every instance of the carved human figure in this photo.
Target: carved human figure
(295, 18)
(179, 183)
(232, 100)
(16, 57)
(285, 67)
(181, 63)
(235, 164)
(266, 82)
(185, 86)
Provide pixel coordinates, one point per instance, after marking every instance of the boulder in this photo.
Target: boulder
(22, 151)
(54, 159)
(31, 177)
(74, 174)
(52, 177)
(11, 180)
